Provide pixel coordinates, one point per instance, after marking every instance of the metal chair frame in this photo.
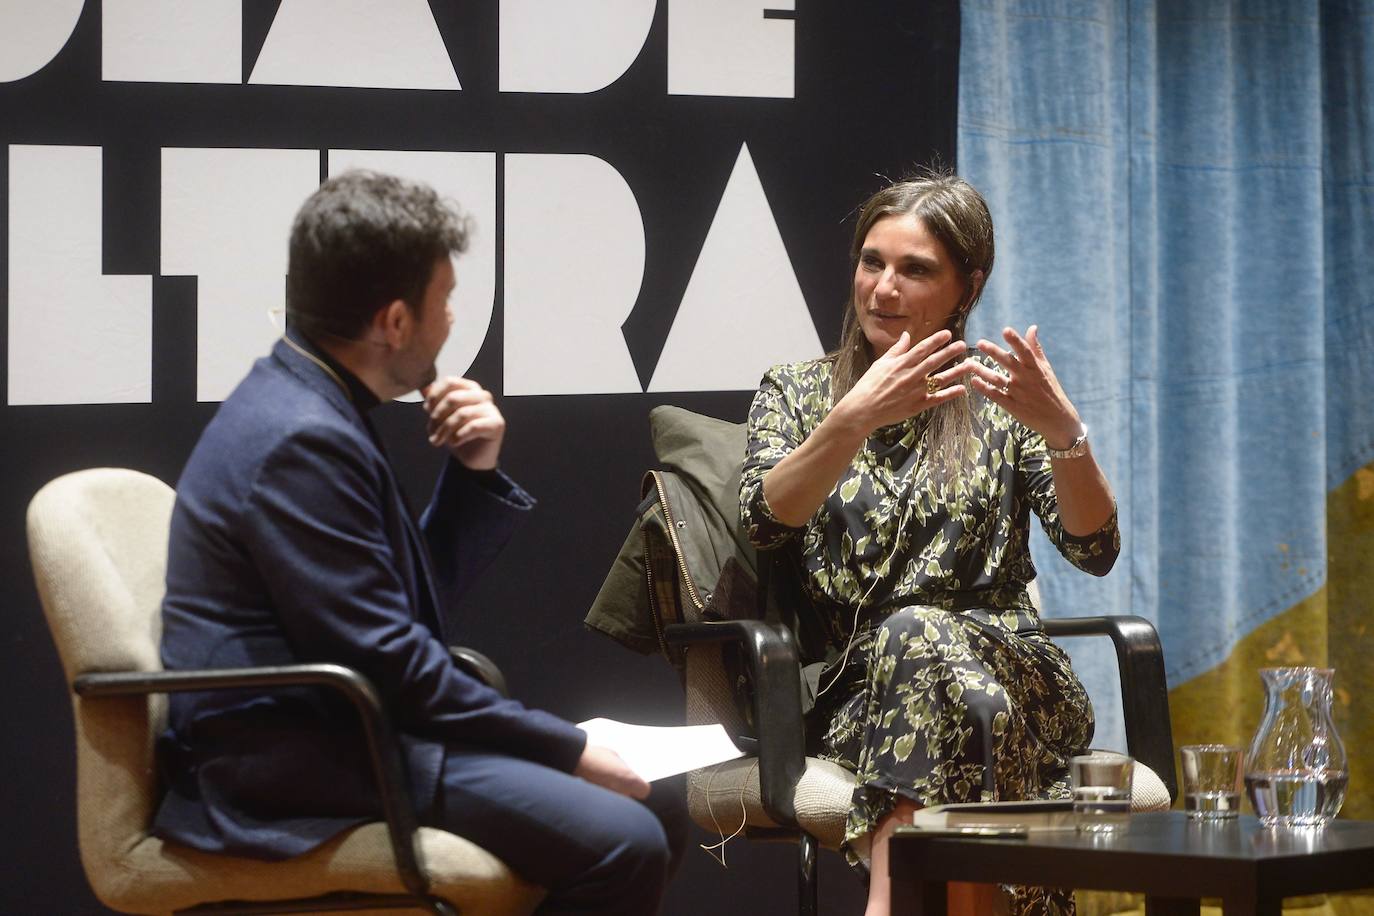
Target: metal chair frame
(383, 750)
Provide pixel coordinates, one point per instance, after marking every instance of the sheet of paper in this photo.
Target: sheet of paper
(655, 752)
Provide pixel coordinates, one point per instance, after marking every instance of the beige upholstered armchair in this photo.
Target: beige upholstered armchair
(98, 543)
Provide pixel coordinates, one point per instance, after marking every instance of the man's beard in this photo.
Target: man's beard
(414, 379)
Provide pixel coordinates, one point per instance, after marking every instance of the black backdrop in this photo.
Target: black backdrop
(875, 92)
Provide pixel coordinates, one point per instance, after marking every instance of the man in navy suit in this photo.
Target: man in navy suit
(291, 542)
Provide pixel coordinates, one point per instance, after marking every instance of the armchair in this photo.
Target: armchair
(697, 565)
(778, 792)
(98, 544)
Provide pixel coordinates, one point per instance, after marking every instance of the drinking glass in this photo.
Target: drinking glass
(1101, 791)
(1212, 775)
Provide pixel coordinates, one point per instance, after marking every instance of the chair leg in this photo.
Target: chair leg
(806, 876)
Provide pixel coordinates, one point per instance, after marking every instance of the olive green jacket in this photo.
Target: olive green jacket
(691, 508)
(687, 557)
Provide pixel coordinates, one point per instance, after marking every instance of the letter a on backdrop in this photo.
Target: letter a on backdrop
(371, 44)
(743, 310)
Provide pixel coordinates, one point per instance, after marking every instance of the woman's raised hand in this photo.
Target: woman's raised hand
(901, 383)
(904, 381)
(1028, 388)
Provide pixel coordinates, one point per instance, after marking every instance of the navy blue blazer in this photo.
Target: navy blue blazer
(291, 542)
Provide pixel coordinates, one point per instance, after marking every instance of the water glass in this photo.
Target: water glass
(1212, 775)
(1101, 791)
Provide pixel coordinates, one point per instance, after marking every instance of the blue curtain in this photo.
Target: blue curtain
(1184, 199)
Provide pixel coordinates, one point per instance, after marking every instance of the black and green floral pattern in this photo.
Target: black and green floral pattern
(943, 687)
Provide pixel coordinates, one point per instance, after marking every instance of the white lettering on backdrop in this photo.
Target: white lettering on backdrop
(172, 41)
(573, 266)
(225, 214)
(715, 47)
(574, 263)
(376, 44)
(76, 336)
(547, 47)
(743, 309)
(574, 242)
(32, 34)
(728, 47)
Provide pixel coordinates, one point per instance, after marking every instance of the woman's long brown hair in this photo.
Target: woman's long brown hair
(956, 214)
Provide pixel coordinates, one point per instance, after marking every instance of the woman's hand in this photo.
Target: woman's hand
(904, 382)
(1028, 390)
(901, 383)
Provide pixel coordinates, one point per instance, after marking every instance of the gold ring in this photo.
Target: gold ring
(932, 385)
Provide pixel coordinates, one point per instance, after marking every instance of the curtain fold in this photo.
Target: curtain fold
(1184, 199)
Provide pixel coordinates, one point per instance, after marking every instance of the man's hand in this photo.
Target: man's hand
(603, 767)
(464, 419)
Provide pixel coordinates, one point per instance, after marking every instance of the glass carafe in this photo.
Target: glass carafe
(1295, 771)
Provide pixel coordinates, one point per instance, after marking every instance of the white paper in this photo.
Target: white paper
(657, 751)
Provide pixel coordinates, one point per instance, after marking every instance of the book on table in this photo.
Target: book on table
(1035, 816)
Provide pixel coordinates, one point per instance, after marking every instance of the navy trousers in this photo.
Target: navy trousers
(595, 850)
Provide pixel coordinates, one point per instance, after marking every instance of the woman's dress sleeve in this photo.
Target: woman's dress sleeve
(1093, 553)
(774, 430)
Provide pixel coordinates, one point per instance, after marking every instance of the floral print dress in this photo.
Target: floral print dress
(943, 686)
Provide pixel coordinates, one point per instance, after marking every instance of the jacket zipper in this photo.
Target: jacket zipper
(677, 546)
(653, 599)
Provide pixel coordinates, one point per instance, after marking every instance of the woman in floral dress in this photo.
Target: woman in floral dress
(904, 467)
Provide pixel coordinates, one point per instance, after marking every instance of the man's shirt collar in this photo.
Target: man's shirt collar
(361, 395)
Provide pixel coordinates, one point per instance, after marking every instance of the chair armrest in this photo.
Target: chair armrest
(1144, 688)
(479, 666)
(771, 657)
(397, 806)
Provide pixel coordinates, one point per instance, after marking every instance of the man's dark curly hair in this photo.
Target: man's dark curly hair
(360, 242)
